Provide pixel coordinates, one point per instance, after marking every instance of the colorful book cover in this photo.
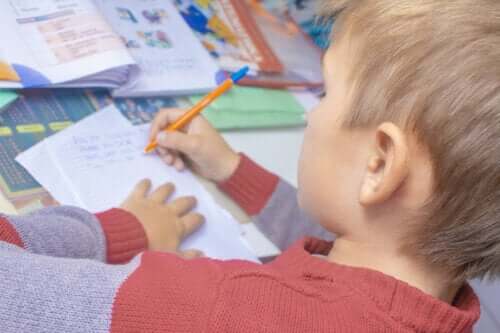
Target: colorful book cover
(6, 98)
(230, 34)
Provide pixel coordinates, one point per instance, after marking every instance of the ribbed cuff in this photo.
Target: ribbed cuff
(9, 234)
(125, 235)
(250, 186)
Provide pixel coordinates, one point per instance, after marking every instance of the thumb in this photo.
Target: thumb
(182, 142)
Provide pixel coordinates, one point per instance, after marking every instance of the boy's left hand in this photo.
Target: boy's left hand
(166, 223)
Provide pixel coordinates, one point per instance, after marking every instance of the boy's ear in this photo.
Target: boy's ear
(387, 166)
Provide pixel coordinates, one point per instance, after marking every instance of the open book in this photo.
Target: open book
(136, 47)
(238, 33)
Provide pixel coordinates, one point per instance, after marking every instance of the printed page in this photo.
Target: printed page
(100, 167)
(171, 59)
(227, 29)
(49, 42)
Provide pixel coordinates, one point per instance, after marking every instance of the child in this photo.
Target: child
(400, 161)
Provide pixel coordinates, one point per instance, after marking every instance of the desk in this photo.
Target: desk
(277, 150)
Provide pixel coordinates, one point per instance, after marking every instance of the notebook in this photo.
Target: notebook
(94, 167)
(251, 107)
(6, 98)
(137, 48)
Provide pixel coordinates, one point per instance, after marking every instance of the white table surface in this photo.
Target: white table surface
(278, 151)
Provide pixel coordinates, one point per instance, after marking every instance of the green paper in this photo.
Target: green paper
(248, 107)
(6, 97)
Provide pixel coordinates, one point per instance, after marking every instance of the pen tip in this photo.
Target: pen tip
(149, 149)
(240, 74)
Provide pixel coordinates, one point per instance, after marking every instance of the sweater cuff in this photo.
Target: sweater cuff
(250, 186)
(125, 235)
(8, 233)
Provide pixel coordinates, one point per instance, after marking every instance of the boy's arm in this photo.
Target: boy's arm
(272, 203)
(113, 236)
(152, 292)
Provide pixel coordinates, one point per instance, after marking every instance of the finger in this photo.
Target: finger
(183, 205)
(192, 222)
(192, 254)
(169, 159)
(142, 188)
(179, 141)
(162, 193)
(162, 119)
(162, 152)
(179, 164)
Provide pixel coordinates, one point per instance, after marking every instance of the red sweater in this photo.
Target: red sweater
(297, 292)
(160, 292)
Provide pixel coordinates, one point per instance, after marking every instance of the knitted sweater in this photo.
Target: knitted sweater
(65, 270)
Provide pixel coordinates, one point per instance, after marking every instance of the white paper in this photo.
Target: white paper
(172, 60)
(95, 164)
(47, 173)
(61, 41)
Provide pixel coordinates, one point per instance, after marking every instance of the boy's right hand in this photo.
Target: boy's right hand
(199, 146)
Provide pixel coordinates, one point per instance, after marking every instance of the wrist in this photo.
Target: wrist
(250, 185)
(231, 163)
(125, 235)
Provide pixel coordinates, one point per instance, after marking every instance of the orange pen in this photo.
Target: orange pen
(195, 110)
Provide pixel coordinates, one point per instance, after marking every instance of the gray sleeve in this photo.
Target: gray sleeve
(282, 220)
(47, 294)
(61, 232)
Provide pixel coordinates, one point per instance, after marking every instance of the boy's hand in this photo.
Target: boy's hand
(166, 223)
(199, 146)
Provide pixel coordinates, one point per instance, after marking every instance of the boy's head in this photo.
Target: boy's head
(404, 149)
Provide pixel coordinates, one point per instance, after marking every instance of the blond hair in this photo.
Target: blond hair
(434, 67)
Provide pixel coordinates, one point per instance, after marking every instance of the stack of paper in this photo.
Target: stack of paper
(91, 166)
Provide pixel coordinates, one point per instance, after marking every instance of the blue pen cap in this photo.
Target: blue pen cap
(240, 74)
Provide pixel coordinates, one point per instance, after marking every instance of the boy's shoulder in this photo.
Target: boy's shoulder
(297, 292)
(300, 292)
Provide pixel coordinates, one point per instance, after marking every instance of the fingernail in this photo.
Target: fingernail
(161, 137)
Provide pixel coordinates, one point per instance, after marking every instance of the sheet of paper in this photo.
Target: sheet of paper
(93, 167)
(172, 60)
(54, 41)
(38, 162)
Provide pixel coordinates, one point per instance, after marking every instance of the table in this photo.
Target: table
(277, 150)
